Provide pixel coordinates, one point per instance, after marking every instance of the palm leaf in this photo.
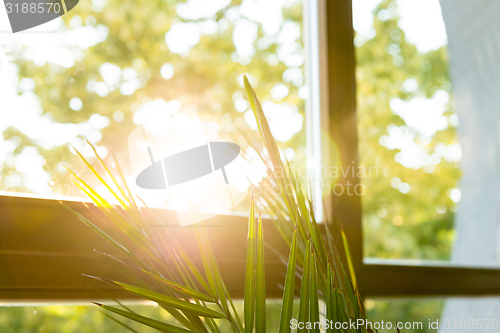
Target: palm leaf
(249, 297)
(94, 171)
(260, 312)
(169, 277)
(161, 326)
(205, 254)
(313, 286)
(176, 303)
(330, 303)
(119, 322)
(182, 289)
(349, 261)
(110, 175)
(288, 295)
(305, 290)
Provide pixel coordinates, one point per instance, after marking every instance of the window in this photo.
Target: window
(40, 232)
(90, 74)
(407, 129)
(425, 118)
(418, 122)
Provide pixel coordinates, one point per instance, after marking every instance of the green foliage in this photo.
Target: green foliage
(402, 225)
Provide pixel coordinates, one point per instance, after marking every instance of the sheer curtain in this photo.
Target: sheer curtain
(473, 29)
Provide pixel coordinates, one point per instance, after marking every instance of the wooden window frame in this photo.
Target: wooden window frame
(45, 249)
(383, 278)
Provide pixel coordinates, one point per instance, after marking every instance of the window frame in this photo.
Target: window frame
(44, 248)
(378, 278)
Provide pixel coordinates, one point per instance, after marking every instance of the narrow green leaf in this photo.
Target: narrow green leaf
(181, 254)
(314, 305)
(357, 313)
(161, 326)
(339, 316)
(193, 269)
(180, 317)
(174, 312)
(130, 196)
(249, 297)
(263, 124)
(239, 324)
(196, 322)
(206, 260)
(105, 183)
(260, 299)
(349, 261)
(94, 199)
(214, 276)
(288, 295)
(304, 290)
(119, 322)
(98, 230)
(99, 198)
(330, 303)
(182, 289)
(181, 305)
(212, 325)
(270, 144)
(110, 175)
(219, 284)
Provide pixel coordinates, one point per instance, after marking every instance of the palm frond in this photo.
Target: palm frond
(163, 272)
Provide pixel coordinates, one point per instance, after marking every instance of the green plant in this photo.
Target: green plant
(197, 299)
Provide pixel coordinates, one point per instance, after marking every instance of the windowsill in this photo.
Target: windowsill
(45, 249)
(426, 263)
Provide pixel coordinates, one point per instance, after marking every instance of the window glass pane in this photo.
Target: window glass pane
(409, 311)
(407, 128)
(70, 318)
(86, 318)
(477, 314)
(90, 74)
(428, 123)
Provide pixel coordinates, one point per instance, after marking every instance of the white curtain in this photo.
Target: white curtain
(473, 29)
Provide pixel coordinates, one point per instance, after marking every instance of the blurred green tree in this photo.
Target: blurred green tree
(413, 221)
(133, 65)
